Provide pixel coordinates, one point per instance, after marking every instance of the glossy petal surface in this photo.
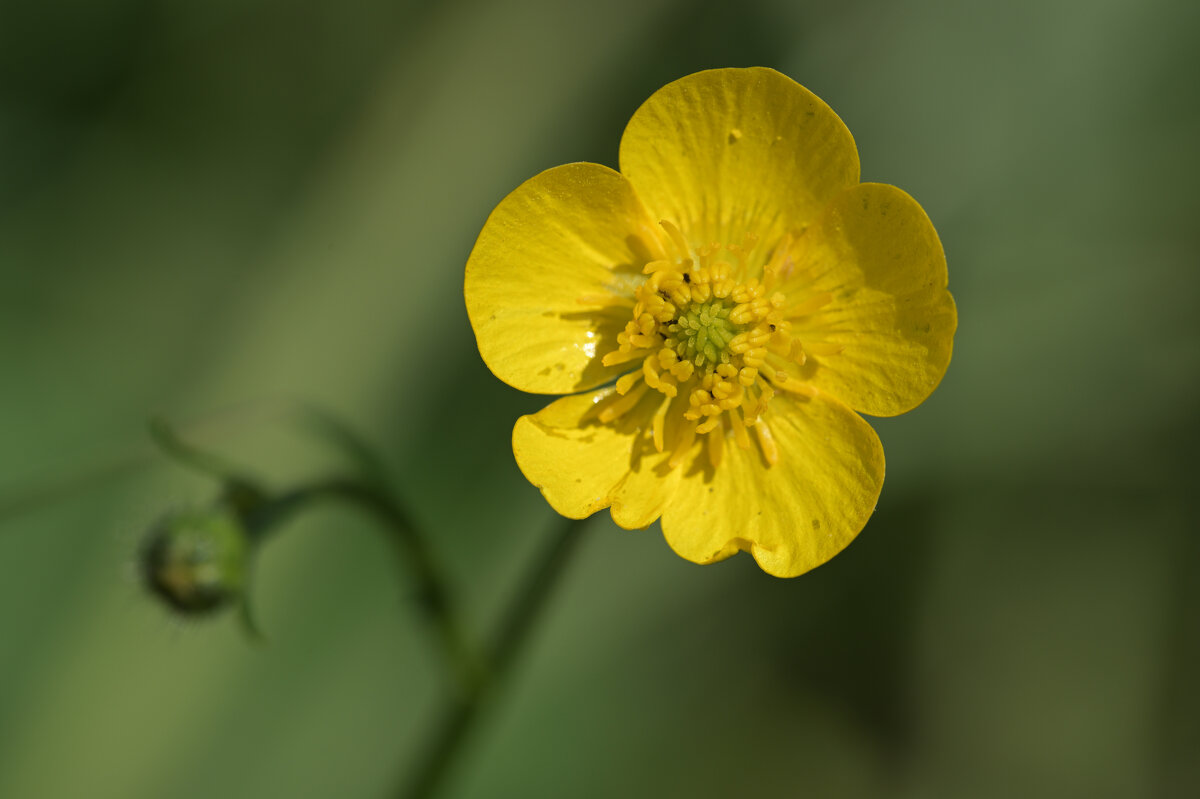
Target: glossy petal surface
(582, 465)
(877, 254)
(548, 283)
(795, 515)
(752, 296)
(727, 152)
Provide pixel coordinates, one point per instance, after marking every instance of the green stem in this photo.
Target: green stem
(205, 462)
(462, 714)
(431, 588)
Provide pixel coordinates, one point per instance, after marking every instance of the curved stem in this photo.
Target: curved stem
(461, 716)
(431, 588)
(194, 457)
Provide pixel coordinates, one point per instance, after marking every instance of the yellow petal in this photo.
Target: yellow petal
(796, 514)
(581, 465)
(548, 284)
(727, 152)
(883, 341)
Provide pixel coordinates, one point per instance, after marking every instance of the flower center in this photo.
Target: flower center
(702, 333)
(715, 344)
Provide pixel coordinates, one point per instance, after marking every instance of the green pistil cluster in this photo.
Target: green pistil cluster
(703, 333)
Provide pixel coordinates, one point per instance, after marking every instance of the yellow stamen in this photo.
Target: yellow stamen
(716, 444)
(618, 357)
(677, 238)
(808, 306)
(739, 431)
(624, 404)
(766, 442)
(659, 424)
(824, 348)
(715, 339)
(687, 437)
(625, 382)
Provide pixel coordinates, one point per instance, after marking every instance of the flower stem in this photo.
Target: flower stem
(463, 713)
(431, 589)
(195, 458)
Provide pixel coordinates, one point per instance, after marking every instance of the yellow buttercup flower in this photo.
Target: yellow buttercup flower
(719, 311)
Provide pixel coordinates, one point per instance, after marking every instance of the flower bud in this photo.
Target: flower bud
(196, 560)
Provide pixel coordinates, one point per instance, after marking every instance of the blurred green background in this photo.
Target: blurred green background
(211, 209)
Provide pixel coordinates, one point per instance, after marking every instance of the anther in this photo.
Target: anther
(677, 238)
(716, 444)
(623, 404)
(686, 438)
(767, 443)
(705, 330)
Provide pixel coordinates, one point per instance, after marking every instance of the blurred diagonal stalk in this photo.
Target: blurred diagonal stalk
(431, 589)
(478, 670)
(462, 714)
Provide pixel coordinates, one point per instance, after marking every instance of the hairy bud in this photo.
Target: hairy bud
(196, 560)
